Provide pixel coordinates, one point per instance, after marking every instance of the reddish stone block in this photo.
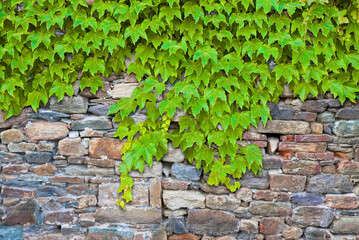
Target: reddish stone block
(44, 170)
(287, 138)
(271, 225)
(347, 167)
(106, 147)
(306, 116)
(56, 218)
(303, 147)
(66, 180)
(14, 169)
(287, 183)
(268, 195)
(347, 201)
(187, 236)
(301, 167)
(313, 138)
(47, 131)
(16, 192)
(254, 136)
(344, 155)
(315, 156)
(260, 144)
(286, 155)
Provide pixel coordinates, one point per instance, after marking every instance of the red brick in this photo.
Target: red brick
(347, 167)
(287, 138)
(302, 147)
(14, 169)
(313, 138)
(301, 167)
(254, 136)
(268, 195)
(315, 156)
(347, 201)
(271, 225)
(287, 183)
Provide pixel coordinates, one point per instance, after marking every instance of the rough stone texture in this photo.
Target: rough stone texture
(284, 127)
(38, 157)
(307, 199)
(21, 147)
(173, 154)
(105, 147)
(134, 215)
(47, 131)
(11, 136)
(346, 128)
(183, 199)
(271, 225)
(72, 147)
(270, 208)
(292, 233)
(327, 183)
(313, 216)
(346, 225)
(44, 170)
(301, 167)
(185, 172)
(211, 222)
(287, 183)
(24, 213)
(123, 90)
(69, 105)
(11, 232)
(347, 201)
(14, 120)
(98, 123)
(303, 147)
(222, 202)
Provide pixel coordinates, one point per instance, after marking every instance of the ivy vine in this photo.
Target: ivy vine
(220, 61)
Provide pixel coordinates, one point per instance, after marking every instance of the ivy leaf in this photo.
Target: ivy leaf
(112, 42)
(93, 83)
(212, 94)
(267, 5)
(94, 37)
(84, 21)
(187, 89)
(145, 148)
(260, 110)
(193, 9)
(218, 173)
(287, 71)
(150, 83)
(190, 138)
(59, 88)
(94, 65)
(125, 106)
(34, 99)
(304, 56)
(170, 105)
(304, 88)
(206, 53)
(252, 153)
(37, 37)
(135, 32)
(196, 105)
(268, 51)
(204, 153)
(22, 63)
(145, 52)
(11, 83)
(139, 69)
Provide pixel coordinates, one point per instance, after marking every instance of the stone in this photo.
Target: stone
(268, 195)
(44, 147)
(328, 183)
(11, 232)
(317, 128)
(75, 104)
(173, 184)
(249, 180)
(91, 133)
(249, 226)
(123, 90)
(12, 136)
(154, 171)
(244, 194)
(74, 170)
(301, 167)
(348, 113)
(307, 199)
(254, 136)
(222, 202)
(303, 147)
(16, 192)
(87, 201)
(24, 213)
(19, 119)
(7, 157)
(14, 169)
(40, 131)
(48, 115)
(348, 167)
(346, 128)
(326, 117)
(272, 161)
(131, 78)
(65, 179)
(185, 172)
(286, 114)
(272, 145)
(174, 155)
(220, 189)
(305, 116)
(79, 189)
(92, 122)
(50, 191)
(105, 147)
(176, 225)
(334, 103)
(134, 215)
(315, 233)
(155, 192)
(60, 217)
(187, 236)
(313, 216)
(314, 106)
(270, 209)
(21, 147)
(38, 157)
(211, 222)
(315, 156)
(175, 213)
(72, 147)
(104, 163)
(284, 127)
(100, 93)
(347, 201)
(287, 183)
(292, 233)
(271, 225)
(183, 199)
(313, 138)
(346, 225)
(99, 110)
(44, 170)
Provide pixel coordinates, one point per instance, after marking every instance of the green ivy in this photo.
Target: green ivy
(220, 61)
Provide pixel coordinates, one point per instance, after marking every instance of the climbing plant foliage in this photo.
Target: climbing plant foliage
(219, 61)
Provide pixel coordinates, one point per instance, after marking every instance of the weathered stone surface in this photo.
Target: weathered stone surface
(79, 189)
(346, 225)
(183, 199)
(17, 192)
(348, 167)
(313, 138)
(348, 113)
(268, 195)
(123, 90)
(301, 167)
(63, 179)
(104, 163)
(154, 171)
(172, 184)
(326, 117)
(173, 154)
(272, 145)
(314, 106)
(292, 233)
(211, 222)
(186, 236)
(185, 172)
(99, 110)
(49, 191)
(57, 218)
(155, 192)
(271, 225)
(286, 114)
(347, 201)
(288, 183)
(48, 115)
(106, 147)
(315, 156)
(272, 161)
(21, 147)
(38, 157)
(307, 199)
(176, 225)
(47, 131)
(314, 233)
(317, 128)
(273, 209)
(249, 226)
(7, 157)
(14, 169)
(75, 104)
(305, 116)
(45, 147)
(303, 147)
(14, 120)
(346, 128)
(249, 180)
(220, 189)
(24, 213)
(44, 170)
(327, 183)
(284, 127)
(98, 123)
(313, 216)
(87, 201)
(254, 136)
(11, 136)
(222, 202)
(72, 147)
(135, 215)
(11, 232)
(244, 194)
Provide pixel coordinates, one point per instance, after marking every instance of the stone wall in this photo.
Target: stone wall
(59, 177)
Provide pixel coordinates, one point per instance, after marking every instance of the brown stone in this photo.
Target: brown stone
(131, 78)
(254, 136)
(272, 209)
(315, 156)
(72, 147)
(305, 116)
(155, 192)
(303, 147)
(57, 218)
(286, 155)
(174, 184)
(106, 147)
(271, 225)
(59, 179)
(21, 147)
(123, 90)
(215, 189)
(287, 138)
(7, 202)
(91, 133)
(260, 144)
(24, 213)
(348, 167)
(105, 163)
(222, 202)
(346, 225)
(301, 167)
(16, 192)
(211, 222)
(87, 201)
(135, 215)
(314, 106)
(39, 131)
(313, 138)
(317, 128)
(284, 127)
(287, 183)
(249, 226)
(11, 135)
(268, 195)
(313, 216)
(186, 236)
(19, 119)
(14, 169)
(347, 201)
(272, 161)
(292, 233)
(343, 156)
(79, 189)
(44, 147)
(244, 194)
(44, 170)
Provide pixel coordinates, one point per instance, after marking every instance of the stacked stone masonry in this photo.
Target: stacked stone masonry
(59, 176)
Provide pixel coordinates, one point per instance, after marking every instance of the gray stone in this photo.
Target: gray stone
(173, 154)
(135, 215)
(249, 180)
(286, 114)
(100, 110)
(38, 157)
(307, 199)
(346, 225)
(176, 225)
(327, 128)
(74, 170)
(211, 222)
(326, 117)
(48, 115)
(24, 213)
(174, 200)
(348, 113)
(313, 216)
(274, 110)
(154, 171)
(312, 233)
(49, 191)
(97, 123)
(7, 157)
(69, 105)
(186, 172)
(346, 128)
(110, 233)
(270, 209)
(327, 183)
(334, 103)
(21, 147)
(314, 106)
(11, 233)
(284, 127)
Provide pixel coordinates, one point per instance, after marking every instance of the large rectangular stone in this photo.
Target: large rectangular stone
(183, 199)
(287, 183)
(284, 127)
(313, 216)
(134, 215)
(270, 209)
(346, 225)
(313, 138)
(303, 147)
(301, 167)
(346, 128)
